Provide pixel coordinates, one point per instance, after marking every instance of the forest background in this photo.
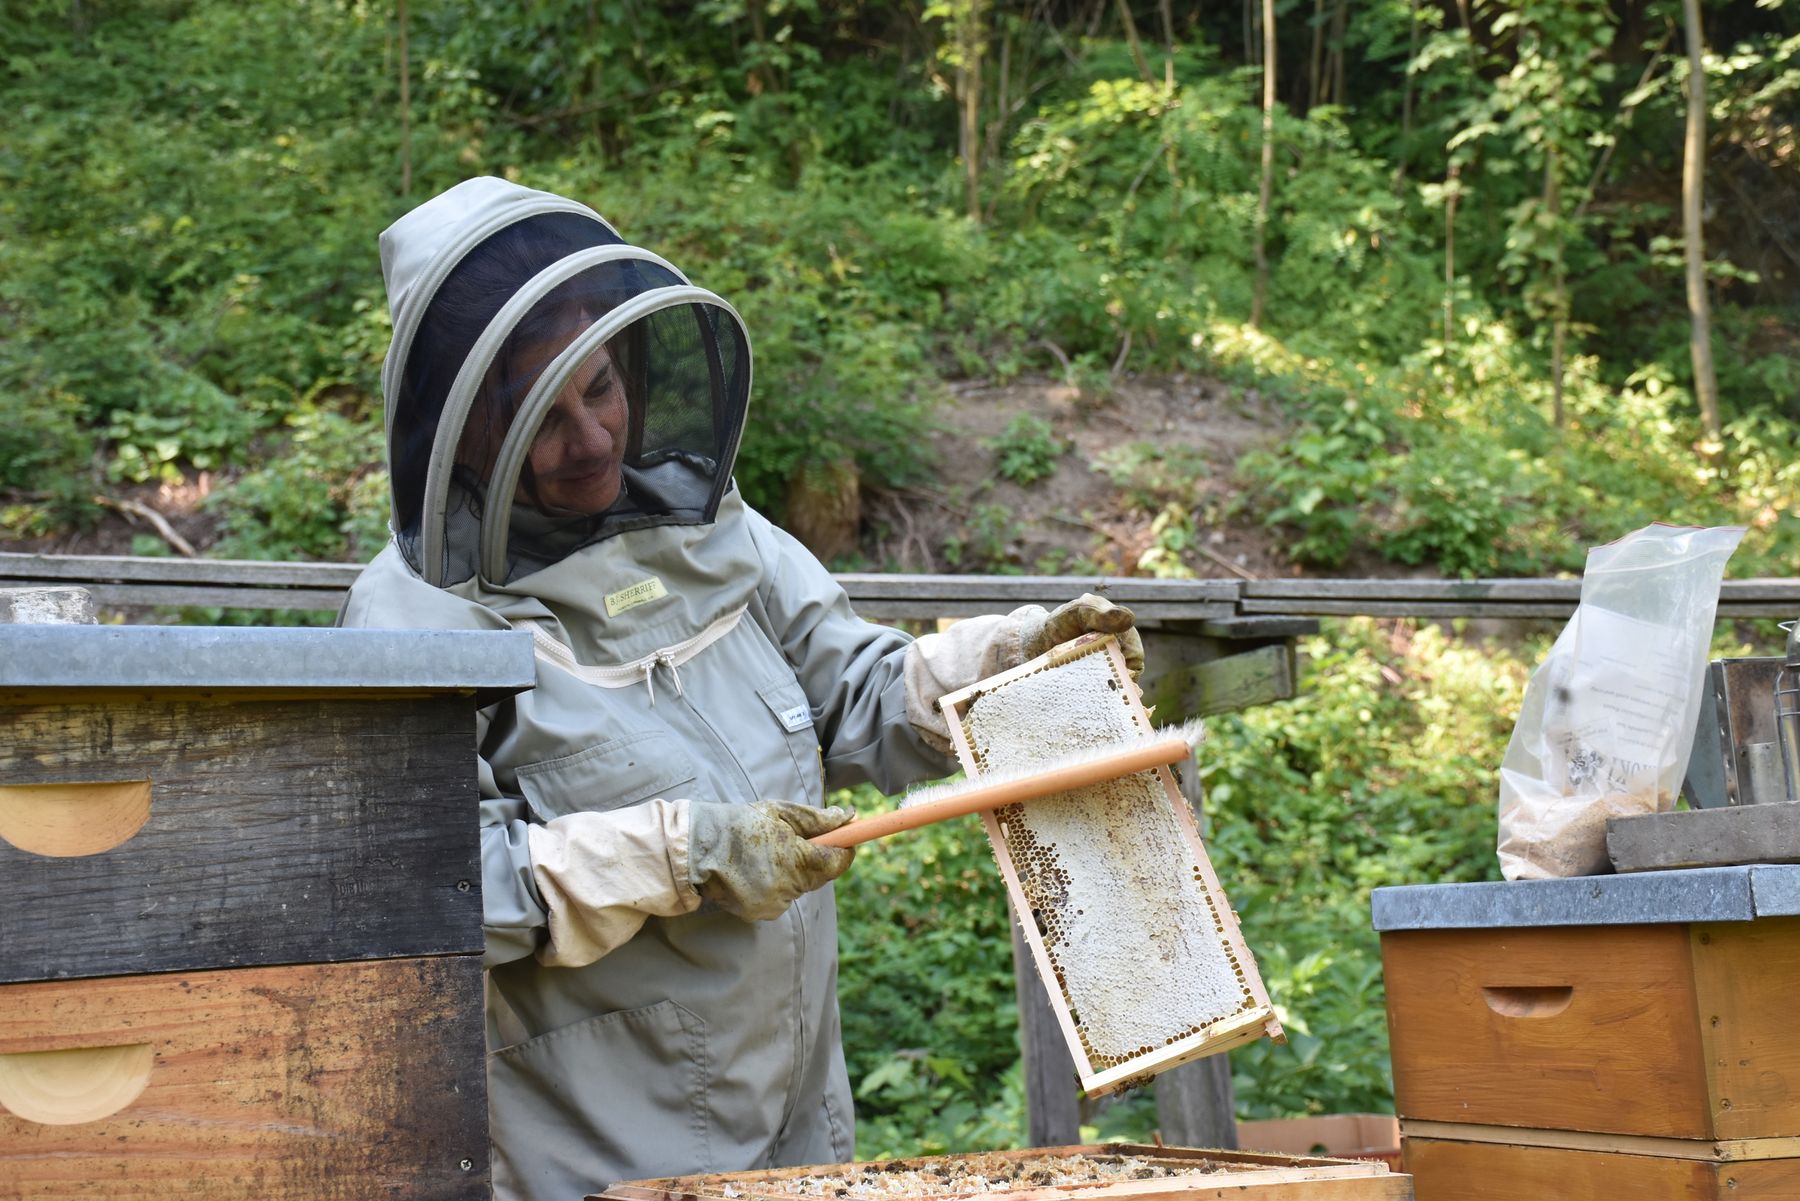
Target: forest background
(1441, 247)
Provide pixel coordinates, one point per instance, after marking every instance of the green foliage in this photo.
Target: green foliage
(925, 986)
(987, 542)
(1027, 450)
(316, 498)
(1149, 473)
(1382, 772)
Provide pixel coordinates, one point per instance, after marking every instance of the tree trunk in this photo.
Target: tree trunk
(1268, 164)
(1559, 298)
(1337, 52)
(1451, 189)
(1131, 40)
(1693, 183)
(971, 43)
(1406, 93)
(1167, 11)
(405, 104)
(1314, 85)
(1052, 1098)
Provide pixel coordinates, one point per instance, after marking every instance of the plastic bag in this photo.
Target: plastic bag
(1607, 723)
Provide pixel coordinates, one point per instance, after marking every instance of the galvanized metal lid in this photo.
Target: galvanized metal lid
(1702, 894)
(490, 663)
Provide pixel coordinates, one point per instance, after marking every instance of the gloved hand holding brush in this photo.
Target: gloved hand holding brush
(754, 860)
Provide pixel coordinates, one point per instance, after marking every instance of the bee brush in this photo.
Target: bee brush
(939, 802)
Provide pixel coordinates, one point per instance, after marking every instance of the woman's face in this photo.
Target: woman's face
(580, 447)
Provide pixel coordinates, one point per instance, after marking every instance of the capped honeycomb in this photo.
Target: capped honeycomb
(1139, 947)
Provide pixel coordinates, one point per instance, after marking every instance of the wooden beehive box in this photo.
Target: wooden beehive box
(1111, 1170)
(240, 927)
(1135, 941)
(1599, 1037)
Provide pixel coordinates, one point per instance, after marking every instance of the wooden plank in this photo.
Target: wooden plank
(1566, 1028)
(1052, 1096)
(1511, 590)
(1746, 977)
(1256, 628)
(1705, 837)
(1255, 677)
(1407, 608)
(1194, 1104)
(929, 609)
(1734, 1150)
(278, 832)
(147, 596)
(330, 1082)
(1452, 1171)
(213, 572)
(1038, 589)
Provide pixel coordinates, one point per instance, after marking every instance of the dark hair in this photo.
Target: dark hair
(463, 306)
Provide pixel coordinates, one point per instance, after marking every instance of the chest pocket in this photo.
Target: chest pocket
(792, 713)
(609, 775)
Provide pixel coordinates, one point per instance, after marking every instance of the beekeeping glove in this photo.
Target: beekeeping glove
(754, 860)
(1088, 614)
(973, 650)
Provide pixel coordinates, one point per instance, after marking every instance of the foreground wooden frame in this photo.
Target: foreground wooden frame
(1260, 1175)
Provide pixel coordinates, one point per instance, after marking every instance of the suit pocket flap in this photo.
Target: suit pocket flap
(610, 775)
(787, 701)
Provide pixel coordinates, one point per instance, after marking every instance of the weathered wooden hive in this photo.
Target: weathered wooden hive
(240, 927)
(1136, 943)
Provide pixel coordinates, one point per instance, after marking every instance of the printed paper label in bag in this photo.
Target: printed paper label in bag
(1616, 710)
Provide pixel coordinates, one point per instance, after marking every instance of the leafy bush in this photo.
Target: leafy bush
(925, 986)
(1383, 772)
(316, 498)
(1027, 450)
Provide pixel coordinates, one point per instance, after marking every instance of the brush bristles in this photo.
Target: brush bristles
(1191, 732)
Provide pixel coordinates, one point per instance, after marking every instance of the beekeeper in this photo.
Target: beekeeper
(563, 411)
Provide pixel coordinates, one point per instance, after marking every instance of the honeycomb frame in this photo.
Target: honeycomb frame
(1032, 892)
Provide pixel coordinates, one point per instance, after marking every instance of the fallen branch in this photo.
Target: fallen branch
(136, 508)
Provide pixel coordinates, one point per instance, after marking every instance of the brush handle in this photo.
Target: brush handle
(978, 797)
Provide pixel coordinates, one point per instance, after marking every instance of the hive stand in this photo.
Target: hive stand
(240, 933)
(1175, 873)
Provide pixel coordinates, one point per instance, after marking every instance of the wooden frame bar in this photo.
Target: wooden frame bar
(1230, 1173)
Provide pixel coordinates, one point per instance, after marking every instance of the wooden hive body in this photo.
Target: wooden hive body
(1135, 941)
(1597, 1037)
(240, 938)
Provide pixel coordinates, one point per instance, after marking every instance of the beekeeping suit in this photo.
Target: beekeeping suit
(693, 661)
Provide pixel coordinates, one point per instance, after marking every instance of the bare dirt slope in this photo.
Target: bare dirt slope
(1187, 434)
(1184, 436)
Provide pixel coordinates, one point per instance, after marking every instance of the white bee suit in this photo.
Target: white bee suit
(688, 651)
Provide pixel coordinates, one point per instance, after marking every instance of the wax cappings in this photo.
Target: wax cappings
(1116, 891)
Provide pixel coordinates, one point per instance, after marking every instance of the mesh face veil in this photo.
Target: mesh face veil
(548, 386)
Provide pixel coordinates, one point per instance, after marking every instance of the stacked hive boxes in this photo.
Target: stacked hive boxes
(1596, 1038)
(240, 921)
